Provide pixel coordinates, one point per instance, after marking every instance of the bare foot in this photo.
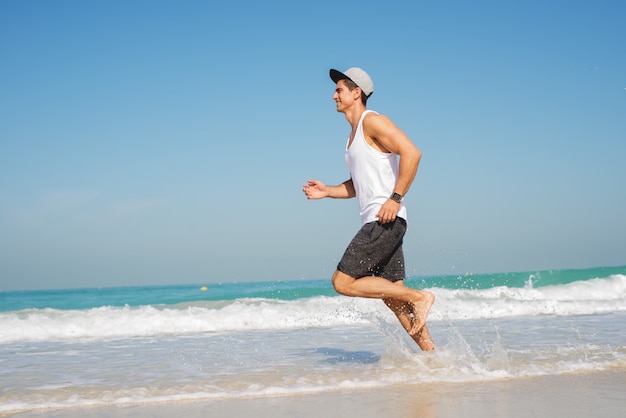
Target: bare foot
(420, 312)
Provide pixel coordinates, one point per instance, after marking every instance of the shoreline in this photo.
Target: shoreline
(580, 394)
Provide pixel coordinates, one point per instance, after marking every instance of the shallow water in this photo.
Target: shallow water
(204, 349)
(210, 365)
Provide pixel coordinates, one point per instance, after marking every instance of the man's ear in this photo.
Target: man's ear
(357, 93)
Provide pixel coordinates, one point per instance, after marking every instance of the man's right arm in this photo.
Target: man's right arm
(315, 189)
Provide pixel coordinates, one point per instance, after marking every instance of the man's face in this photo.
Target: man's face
(344, 97)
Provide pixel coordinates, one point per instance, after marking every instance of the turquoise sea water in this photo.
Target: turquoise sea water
(64, 348)
(283, 290)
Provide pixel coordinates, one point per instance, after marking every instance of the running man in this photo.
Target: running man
(383, 162)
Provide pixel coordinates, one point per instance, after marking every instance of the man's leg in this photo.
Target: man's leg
(378, 288)
(402, 310)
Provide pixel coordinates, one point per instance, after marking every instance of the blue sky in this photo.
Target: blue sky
(162, 142)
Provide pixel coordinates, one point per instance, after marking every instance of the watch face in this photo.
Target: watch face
(396, 197)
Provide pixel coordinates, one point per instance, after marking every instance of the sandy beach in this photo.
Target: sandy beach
(569, 395)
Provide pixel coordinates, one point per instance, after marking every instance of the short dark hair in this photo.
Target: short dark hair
(351, 85)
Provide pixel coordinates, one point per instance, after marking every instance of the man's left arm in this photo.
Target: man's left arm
(390, 138)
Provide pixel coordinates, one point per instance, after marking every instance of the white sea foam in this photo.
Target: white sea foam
(266, 363)
(296, 359)
(579, 298)
(589, 297)
(126, 322)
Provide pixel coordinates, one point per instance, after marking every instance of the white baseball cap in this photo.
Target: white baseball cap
(358, 76)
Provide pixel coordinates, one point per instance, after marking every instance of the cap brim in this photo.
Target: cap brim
(338, 75)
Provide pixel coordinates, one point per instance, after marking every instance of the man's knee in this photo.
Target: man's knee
(342, 282)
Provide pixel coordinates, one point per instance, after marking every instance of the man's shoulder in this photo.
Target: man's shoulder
(374, 119)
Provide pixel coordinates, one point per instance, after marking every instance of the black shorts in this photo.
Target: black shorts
(376, 250)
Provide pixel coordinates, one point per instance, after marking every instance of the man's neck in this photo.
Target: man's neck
(353, 115)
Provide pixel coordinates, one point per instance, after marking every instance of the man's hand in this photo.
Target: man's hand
(315, 189)
(388, 211)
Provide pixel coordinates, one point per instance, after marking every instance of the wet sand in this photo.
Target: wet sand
(571, 395)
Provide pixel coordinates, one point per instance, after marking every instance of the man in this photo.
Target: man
(373, 264)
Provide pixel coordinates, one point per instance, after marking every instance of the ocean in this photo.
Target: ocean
(104, 346)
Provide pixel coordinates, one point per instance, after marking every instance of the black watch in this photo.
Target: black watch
(396, 197)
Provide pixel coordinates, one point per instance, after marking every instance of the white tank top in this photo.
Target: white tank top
(373, 173)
